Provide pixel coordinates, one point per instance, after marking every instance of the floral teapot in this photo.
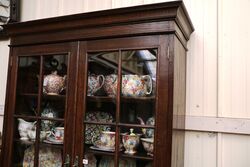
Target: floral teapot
(53, 84)
(147, 132)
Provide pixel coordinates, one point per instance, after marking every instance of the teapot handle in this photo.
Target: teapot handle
(102, 82)
(150, 84)
(64, 82)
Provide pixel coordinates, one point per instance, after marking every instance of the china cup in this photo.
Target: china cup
(105, 141)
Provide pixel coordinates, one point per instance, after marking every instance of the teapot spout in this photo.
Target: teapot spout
(141, 120)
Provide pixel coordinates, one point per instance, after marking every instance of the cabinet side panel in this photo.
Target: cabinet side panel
(179, 100)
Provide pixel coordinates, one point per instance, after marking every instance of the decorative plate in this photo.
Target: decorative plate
(95, 130)
(52, 140)
(48, 157)
(101, 149)
(108, 161)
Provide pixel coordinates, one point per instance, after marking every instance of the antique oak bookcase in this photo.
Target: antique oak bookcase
(103, 88)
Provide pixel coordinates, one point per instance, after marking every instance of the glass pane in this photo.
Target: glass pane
(138, 104)
(131, 162)
(51, 143)
(28, 75)
(50, 156)
(23, 155)
(27, 85)
(54, 86)
(138, 73)
(26, 105)
(55, 74)
(99, 118)
(138, 88)
(23, 145)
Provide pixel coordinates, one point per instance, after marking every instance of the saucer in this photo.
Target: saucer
(52, 140)
(101, 149)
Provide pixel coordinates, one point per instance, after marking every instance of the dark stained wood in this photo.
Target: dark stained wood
(165, 27)
(138, 156)
(161, 11)
(147, 19)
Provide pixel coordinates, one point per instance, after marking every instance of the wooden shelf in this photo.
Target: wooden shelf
(123, 99)
(136, 125)
(41, 143)
(139, 155)
(54, 97)
(28, 94)
(38, 117)
(101, 99)
(99, 123)
(138, 99)
(24, 142)
(58, 146)
(97, 152)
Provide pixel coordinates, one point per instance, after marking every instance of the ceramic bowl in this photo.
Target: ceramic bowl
(148, 145)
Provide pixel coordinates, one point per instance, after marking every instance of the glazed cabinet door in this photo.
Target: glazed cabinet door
(41, 106)
(117, 102)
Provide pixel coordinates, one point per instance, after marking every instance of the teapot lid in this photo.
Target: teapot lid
(131, 132)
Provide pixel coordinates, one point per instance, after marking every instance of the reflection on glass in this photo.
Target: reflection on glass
(138, 73)
(26, 105)
(27, 77)
(101, 107)
(23, 143)
(23, 155)
(138, 81)
(53, 108)
(102, 74)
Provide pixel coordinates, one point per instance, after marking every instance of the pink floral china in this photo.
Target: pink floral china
(110, 84)
(130, 142)
(53, 84)
(95, 82)
(96, 130)
(132, 85)
(106, 140)
(48, 157)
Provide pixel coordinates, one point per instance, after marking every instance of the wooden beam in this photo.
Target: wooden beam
(218, 124)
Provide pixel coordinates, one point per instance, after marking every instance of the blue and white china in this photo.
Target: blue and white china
(147, 132)
(148, 145)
